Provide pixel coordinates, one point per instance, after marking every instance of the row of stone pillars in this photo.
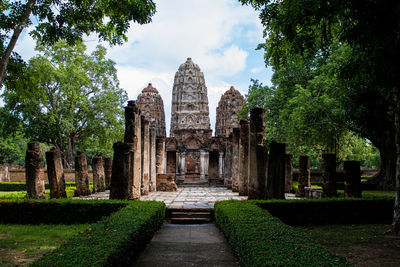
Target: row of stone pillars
(138, 159)
(262, 175)
(35, 178)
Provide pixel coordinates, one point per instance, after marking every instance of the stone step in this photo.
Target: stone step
(184, 214)
(189, 216)
(190, 220)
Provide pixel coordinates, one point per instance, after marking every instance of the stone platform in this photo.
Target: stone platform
(187, 197)
(184, 198)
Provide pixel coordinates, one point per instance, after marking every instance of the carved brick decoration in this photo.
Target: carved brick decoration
(227, 109)
(151, 106)
(34, 171)
(189, 100)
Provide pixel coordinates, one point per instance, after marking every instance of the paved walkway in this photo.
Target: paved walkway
(185, 197)
(187, 245)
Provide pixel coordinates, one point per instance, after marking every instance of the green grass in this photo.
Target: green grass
(15, 195)
(347, 235)
(21, 244)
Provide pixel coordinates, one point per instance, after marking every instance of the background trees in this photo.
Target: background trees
(365, 37)
(68, 20)
(69, 99)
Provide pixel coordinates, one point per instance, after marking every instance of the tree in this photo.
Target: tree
(67, 98)
(69, 20)
(369, 78)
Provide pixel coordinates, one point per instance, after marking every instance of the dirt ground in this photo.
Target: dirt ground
(362, 245)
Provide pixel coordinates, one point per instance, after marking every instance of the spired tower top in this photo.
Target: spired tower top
(189, 100)
(228, 105)
(151, 106)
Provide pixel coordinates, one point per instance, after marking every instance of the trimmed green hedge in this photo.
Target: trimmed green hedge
(330, 211)
(57, 211)
(260, 239)
(114, 241)
(20, 186)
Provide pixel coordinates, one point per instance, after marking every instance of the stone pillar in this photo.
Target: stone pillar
(206, 163)
(55, 173)
(160, 147)
(235, 159)
(304, 178)
(4, 174)
(288, 173)
(153, 168)
(108, 171)
(137, 155)
(228, 163)
(257, 155)
(221, 166)
(178, 167)
(122, 179)
(275, 184)
(202, 165)
(133, 140)
(131, 112)
(182, 166)
(243, 158)
(81, 175)
(98, 175)
(352, 179)
(145, 160)
(328, 166)
(34, 171)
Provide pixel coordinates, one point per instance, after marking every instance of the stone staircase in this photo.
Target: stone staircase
(189, 216)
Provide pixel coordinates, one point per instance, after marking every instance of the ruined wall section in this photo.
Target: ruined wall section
(151, 106)
(227, 119)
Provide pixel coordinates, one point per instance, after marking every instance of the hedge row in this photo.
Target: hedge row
(114, 241)
(260, 239)
(365, 185)
(330, 211)
(59, 211)
(19, 186)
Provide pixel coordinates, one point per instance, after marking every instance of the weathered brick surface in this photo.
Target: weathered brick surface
(34, 171)
(81, 175)
(55, 173)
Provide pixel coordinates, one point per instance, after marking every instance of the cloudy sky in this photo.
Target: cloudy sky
(219, 35)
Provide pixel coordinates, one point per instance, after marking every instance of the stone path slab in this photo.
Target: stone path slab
(185, 197)
(187, 245)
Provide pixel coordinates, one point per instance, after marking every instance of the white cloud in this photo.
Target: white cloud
(218, 35)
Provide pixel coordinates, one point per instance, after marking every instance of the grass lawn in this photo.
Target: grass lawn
(4, 195)
(21, 244)
(362, 245)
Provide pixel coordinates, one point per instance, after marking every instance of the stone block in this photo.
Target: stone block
(81, 175)
(55, 173)
(34, 171)
(166, 182)
(98, 175)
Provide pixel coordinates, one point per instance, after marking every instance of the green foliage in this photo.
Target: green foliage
(68, 20)
(70, 99)
(22, 243)
(260, 239)
(20, 186)
(37, 211)
(115, 240)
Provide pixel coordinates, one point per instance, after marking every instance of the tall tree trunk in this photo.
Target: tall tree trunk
(385, 178)
(14, 38)
(71, 150)
(396, 210)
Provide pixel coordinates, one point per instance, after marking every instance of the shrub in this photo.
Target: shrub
(58, 211)
(260, 239)
(114, 241)
(330, 211)
(19, 186)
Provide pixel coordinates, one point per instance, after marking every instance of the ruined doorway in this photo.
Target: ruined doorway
(171, 162)
(213, 167)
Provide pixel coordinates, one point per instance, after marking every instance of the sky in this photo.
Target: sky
(220, 36)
